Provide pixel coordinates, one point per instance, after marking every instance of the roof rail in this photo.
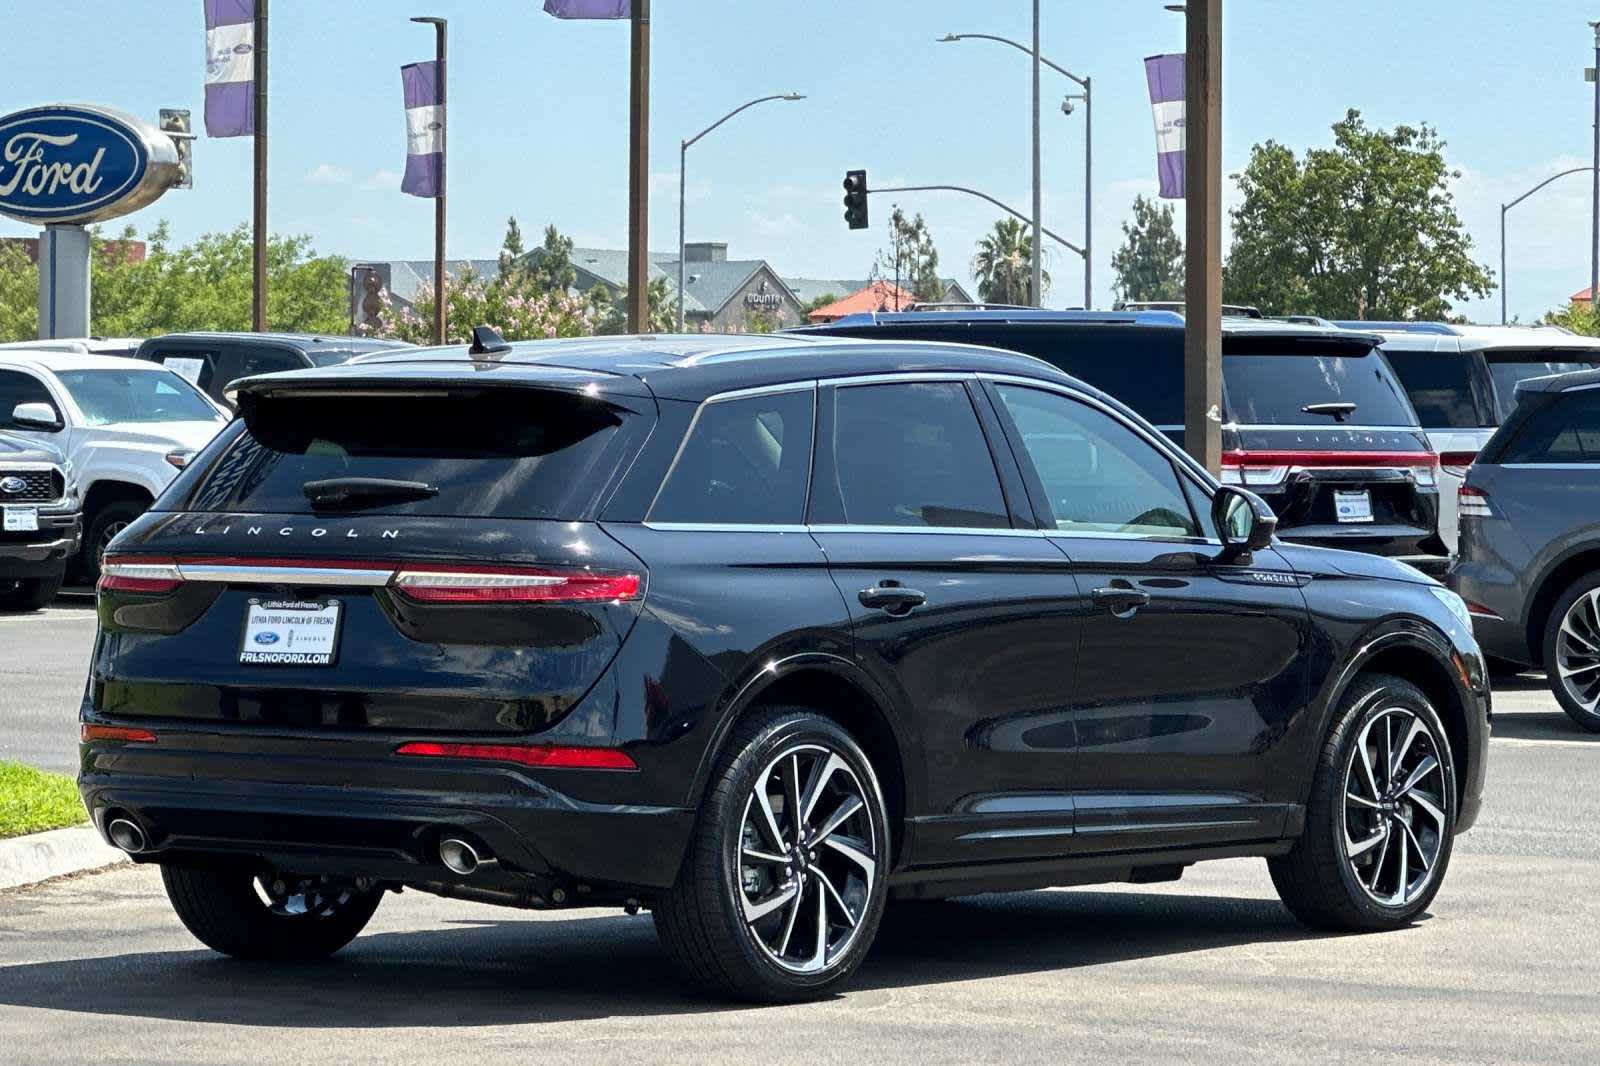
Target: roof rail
(1020, 314)
(1439, 329)
(1178, 307)
(959, 305)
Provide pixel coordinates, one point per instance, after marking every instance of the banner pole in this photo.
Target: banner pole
(639, 173)
(258, 302)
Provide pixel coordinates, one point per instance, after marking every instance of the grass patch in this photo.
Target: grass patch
(32, 801)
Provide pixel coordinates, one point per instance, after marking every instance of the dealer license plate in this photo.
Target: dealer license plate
(21, 519)
(290, 633)
(1352, 505)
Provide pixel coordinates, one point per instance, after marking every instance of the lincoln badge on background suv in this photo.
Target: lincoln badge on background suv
(753, 633)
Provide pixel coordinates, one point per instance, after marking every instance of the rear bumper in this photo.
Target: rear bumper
(362, 818)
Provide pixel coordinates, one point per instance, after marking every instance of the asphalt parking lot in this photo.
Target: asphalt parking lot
(1209, 969)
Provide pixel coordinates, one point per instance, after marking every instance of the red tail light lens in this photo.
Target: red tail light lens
(544, 755)
(1457, 462)
(88, 733)
(494, 584)
(138, 573)
(1473, 502)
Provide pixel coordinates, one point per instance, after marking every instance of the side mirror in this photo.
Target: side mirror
(36, 416)
(1243, 520)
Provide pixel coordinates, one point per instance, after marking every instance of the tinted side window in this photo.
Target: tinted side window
(1439, 385)
(914, 454)
(1141, 367)
(1565, 430)
(746, 461)
(244, 362)
(1098, 475)
(17, 387)
(1508, 368)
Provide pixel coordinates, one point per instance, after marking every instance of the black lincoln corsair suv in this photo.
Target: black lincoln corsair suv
(757, 634)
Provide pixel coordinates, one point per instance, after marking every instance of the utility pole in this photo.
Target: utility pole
(1594, 206)
(639, 173)
(258, 296)
(1038, 176)
(1202, 334)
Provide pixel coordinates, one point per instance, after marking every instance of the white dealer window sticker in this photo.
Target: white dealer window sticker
(290, 632)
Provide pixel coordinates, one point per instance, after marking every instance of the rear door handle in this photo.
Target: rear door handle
(893, 599)
(1120, 601)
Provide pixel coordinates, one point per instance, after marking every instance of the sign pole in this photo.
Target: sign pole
(258, 302)
(1202, 334)
(440, 301)
(639, 173)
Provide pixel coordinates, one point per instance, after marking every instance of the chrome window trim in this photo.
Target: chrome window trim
(1595, 465)
(722, 527)
(694, 424)
(958, 531)
(284, 575)
(908, 377)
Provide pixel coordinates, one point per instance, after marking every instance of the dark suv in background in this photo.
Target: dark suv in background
(211, 360)
(1461, 381)
(754, 633)
(1313, 418)
(1529, 563)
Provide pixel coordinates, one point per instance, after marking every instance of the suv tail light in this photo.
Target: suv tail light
(1272, 467)
(1474, 502)
(1456, 463)
(432, 583)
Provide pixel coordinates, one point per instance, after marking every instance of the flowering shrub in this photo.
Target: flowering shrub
(511, 306)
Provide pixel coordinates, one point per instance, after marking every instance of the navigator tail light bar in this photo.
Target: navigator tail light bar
(1258, 468)
(424, 583)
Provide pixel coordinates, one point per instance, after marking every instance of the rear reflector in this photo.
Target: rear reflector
(494, 584)
(88, 733)
(525, 755)
(1478, 610)
(1473, 502)
(138, 573)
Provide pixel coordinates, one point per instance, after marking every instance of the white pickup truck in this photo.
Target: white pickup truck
(126, 426)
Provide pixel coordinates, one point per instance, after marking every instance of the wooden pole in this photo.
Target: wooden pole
(1202, 335)
(258, 300)
(639, 174)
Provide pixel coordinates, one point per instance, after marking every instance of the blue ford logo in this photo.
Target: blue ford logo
(267, 637)
(73, 164)
(11, 486)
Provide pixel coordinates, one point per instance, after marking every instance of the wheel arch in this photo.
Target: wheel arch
(1415, 657)
(1557, 578)
(835, 688)
(114, 490)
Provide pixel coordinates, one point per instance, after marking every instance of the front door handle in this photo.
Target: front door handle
(1121, 602)
(892, 599)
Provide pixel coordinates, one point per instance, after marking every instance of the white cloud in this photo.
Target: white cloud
(383, 179)
(329, 174)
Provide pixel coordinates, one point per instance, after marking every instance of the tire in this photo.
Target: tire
(1571, 652)
(29, 593)
(225, 912)
(105, 524)
(725, 923)
(1346, 871)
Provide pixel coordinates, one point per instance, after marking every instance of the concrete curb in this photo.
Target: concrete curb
(38, 857)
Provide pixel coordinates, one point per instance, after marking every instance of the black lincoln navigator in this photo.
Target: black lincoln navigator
(756, 634)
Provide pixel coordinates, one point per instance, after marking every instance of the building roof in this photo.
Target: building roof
(711, 285)
(879, 296)
(809, 289)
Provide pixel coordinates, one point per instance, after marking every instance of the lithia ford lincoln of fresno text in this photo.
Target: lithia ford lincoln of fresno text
(758, 634)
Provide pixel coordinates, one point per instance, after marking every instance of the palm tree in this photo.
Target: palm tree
(1004, 265)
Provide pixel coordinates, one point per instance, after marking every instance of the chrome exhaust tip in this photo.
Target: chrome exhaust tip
(126, 835)
(460, 857)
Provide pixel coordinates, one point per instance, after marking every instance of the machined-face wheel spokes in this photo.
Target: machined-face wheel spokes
(1395, 801)
(807, 858)
(1578, 651)
(289, 896)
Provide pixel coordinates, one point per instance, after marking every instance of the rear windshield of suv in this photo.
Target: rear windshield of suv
(1274, 389)
(1439, 385)
(1508, 368)
(501, 452)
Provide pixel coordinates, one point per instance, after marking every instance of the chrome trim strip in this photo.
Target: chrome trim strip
(285, 575)
(1547, 466)
(893, 378)
(758, 390)
(962, 531)
(719, 527)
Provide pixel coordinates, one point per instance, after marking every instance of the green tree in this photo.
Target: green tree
(821, 301)
(509, 304)
(612, 311)
(19, 295)
(1004, 265)
(1577, 317)
(1365, 229)
(911, 257)
(207, 285)
(550, 266)
(1149, 265)
(513, 256)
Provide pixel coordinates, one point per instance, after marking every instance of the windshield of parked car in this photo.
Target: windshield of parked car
(1276, 388)
(111, 396)
(1508, 368)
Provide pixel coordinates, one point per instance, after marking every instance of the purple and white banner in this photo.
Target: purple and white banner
(230, 68)
(424, 129)
(1165, 75)
(589, 9)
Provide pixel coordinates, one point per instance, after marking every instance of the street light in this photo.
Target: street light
(683, 166)
(1507, 207)
(1088, 161)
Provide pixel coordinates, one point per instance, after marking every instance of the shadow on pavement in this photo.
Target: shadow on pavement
(1541, 725)
(523, 971)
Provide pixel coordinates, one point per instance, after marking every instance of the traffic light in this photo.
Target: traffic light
(855, 199)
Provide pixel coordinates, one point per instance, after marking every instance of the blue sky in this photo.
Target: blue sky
(539, 116)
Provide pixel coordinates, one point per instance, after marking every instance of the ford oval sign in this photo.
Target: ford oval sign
(78, 163)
